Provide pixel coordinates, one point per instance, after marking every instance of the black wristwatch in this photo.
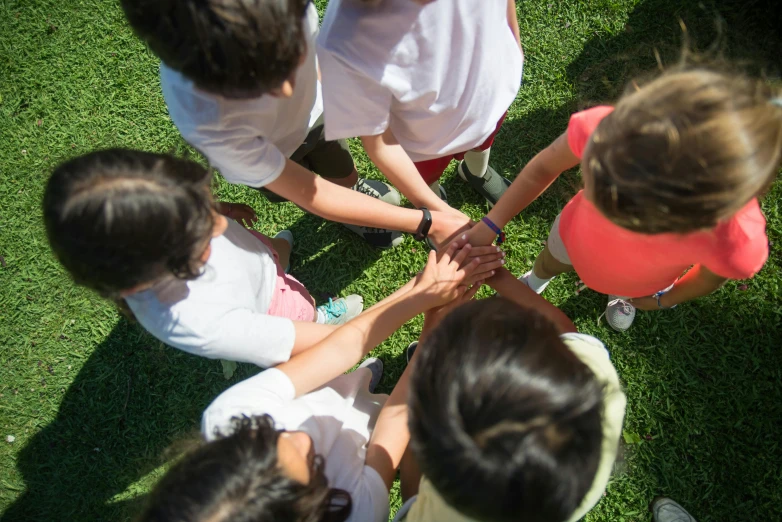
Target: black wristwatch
(426, 224)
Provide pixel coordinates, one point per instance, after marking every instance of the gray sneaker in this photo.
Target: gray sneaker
(619, 313)
(340, 311)
(378, 237)
(374, 365)
(666, 510)
(378, 190)
(491, 185)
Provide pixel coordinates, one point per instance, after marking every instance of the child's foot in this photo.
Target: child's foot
(287, 236)
(491, 185)
(340, 311)
(537, 284)
(411, 350)
(378, 237)
(378, 190)
(619, 313)
(666, 510)
(374, 365)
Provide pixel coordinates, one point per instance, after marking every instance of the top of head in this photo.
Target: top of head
(684, 152)
(235, 48)
(505, 419)
(118, 218)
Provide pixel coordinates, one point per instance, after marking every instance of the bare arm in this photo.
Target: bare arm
(330, 201)
(513, 22)
(385, 151)
(532, 181)
(699, 281)
(511, 288)
(440, 282)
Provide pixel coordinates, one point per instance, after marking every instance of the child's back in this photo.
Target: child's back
(509, 420)
(440, 75)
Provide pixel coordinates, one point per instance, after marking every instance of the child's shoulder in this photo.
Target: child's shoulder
(582, 124)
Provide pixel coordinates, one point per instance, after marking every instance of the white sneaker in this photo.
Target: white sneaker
(340, 311)
(619, 313)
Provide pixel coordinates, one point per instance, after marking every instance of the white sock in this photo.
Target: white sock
(537, 284)
(477, 161)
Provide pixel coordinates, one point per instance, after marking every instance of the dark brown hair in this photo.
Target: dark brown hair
(237, 478)
(685, 151)
(235, 48)
(120, 218)
(504, 419)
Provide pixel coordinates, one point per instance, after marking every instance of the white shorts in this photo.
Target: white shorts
(555, 244)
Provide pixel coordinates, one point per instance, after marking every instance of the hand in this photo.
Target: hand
(239, 212)
(490, 257)
(448, 278)
(648, 303)
(448, 225)
(480, 234)
(433, 316)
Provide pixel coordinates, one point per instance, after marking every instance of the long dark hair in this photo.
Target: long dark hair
(505, 420)
(236, 478)
(120, 218)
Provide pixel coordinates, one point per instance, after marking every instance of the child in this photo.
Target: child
(143, 228)
(303, 442)
(422, 83)
(671, 175)
(241, 83)
(510, 418)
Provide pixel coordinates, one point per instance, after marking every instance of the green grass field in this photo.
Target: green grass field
(89, 402)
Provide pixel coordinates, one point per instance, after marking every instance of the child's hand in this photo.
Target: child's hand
(433, 316)
(447, 225)
(449, 277)
(239, 212)
(648, 303)
(489, 257)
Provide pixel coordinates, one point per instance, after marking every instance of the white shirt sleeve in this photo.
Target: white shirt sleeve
(267, 392)
(239, 335)
(370, 498)
(244, 160)
(353, 103)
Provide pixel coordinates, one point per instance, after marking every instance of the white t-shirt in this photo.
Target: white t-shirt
(338, 416)
(223, 313)
(248, 139)
(441, 75)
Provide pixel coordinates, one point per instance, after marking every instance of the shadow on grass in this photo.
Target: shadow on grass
(132, 399)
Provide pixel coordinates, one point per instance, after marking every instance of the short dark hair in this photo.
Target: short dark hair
(120, 218)
(235, 48)
(685, 151)
(237, 477)
(505, 420)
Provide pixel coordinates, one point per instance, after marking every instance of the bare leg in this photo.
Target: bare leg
(283, 249)
(546, 266)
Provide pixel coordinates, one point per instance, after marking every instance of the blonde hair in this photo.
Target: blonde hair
(685, 151)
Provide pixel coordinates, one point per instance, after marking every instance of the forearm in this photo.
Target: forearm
(391, 435)
(330, 201)
(344, 347)
(697, 282)
(392, 160)
(514, 290)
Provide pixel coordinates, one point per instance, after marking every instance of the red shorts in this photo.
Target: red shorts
(432, 169)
